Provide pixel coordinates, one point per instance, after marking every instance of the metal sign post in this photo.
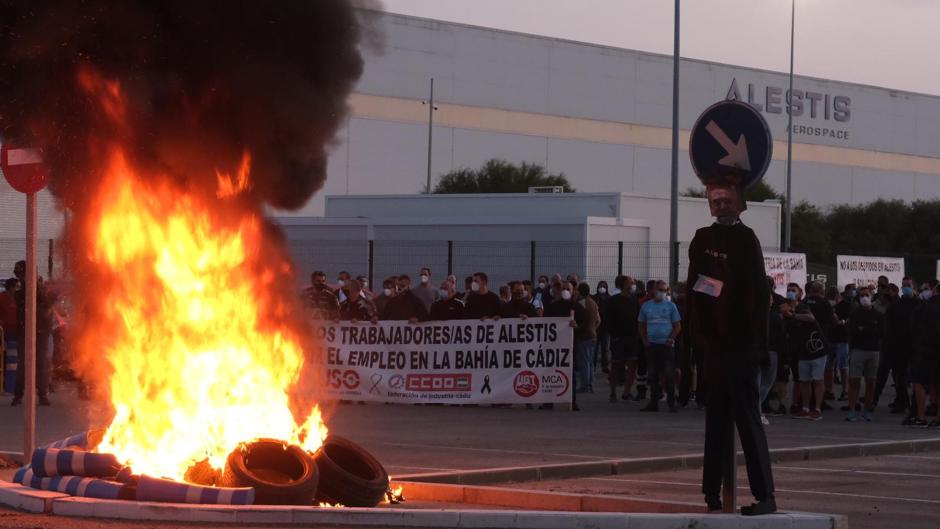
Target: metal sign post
(29, 368)
(24, 170)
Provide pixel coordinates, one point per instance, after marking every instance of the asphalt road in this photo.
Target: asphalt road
(892, 491)
(419, 439)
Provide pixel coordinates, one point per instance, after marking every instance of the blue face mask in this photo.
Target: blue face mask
(907, 291)
(791, 295)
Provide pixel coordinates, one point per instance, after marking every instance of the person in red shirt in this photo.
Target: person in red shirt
(8, 318)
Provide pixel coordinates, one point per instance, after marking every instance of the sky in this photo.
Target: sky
(887, 43)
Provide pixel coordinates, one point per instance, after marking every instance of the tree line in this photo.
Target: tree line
(888, 228)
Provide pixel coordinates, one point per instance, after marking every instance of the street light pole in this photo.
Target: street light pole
(431, 110)
(674, 195)
(788, 226)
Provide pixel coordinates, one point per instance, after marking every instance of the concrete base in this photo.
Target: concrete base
(19, 497)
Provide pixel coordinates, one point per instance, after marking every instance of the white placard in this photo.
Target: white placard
(507, 361)
(785, 268)
(864, 271)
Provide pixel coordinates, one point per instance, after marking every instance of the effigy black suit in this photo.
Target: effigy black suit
(732, 326)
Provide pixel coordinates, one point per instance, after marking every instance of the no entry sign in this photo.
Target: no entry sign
(23, 168)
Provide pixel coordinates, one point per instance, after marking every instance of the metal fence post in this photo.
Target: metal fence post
(532, 261)
(371, 262)
(51, 245)
(619, 258)
(450, 258)
(675, 260)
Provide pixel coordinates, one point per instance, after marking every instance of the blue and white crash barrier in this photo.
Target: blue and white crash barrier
(165, 490)
(76, 485)
(47, 462)
(84, 441)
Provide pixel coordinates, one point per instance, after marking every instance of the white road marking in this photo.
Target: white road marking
(854, 471)
(914, 457)
(501, 450)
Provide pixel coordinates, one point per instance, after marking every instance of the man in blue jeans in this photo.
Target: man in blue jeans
(659, 325)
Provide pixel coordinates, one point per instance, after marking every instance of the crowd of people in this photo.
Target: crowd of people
(13, 330)
(819, 339)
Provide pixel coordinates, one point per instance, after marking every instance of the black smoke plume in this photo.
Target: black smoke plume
(204, 81)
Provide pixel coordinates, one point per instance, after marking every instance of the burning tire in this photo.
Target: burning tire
(281, 474)
(349, 475)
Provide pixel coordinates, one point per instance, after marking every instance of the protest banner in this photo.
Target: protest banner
(785, 268)
(507, 361)
(864, 271)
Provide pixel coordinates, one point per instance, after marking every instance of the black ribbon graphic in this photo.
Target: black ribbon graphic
(376, 379)
(486, 385)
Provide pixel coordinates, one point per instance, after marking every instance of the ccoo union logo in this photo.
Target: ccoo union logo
(526, 384)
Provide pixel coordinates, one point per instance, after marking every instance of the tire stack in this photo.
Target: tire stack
(339, 473)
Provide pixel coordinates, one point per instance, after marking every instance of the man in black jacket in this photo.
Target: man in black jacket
(621, 316)
(866, 334)
(727, 309)
(896, 353)
(405, 305)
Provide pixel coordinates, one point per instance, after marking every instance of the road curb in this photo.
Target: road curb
(665, 463)
(387, 517)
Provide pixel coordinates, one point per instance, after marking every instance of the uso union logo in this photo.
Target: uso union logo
(526, 384)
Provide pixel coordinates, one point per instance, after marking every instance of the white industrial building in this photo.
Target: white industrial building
(508, 236)
(599, 114)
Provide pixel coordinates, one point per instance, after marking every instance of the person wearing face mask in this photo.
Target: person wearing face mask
(839, 342)
(320, 301)
(388, 292)
(425, 290)
(586, 352)
(542, 295)
(727, 314)
(659, 326)
(448, 306)
(565, 306)
(925, 363)
(357, 306)
(601, 298)
(364, 285)
(825, 316)
(866, 334)
(481, 303)
(517, 306)
(341, 290)
(898, 345)
(405, 305)
(529, 296)
(621, 316)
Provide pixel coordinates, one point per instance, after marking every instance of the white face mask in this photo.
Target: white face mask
(660, 295)
(365, 284)
(541, 285)
(475, 286)
(566, 294)
(865, 301)
(668, 297)
(444, 294)
(341, 283)
(387, 292)
(602, 290)
(425, 279)
(632, 289)
(925, 295)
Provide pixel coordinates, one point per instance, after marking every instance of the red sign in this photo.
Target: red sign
(23, 168)
(526, 384)
(439, 382)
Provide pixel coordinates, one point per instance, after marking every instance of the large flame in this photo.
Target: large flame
(197, 366)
